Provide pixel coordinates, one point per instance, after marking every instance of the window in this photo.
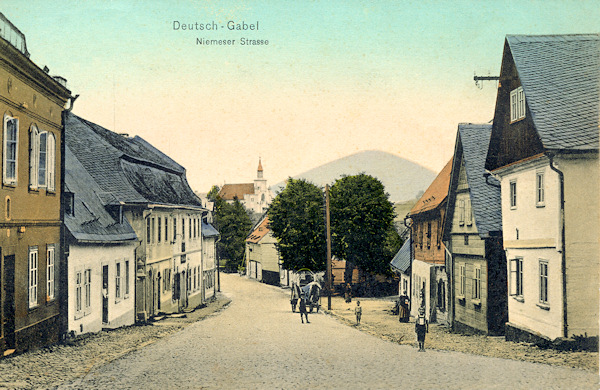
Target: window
(78, 296)
(69, 203)
(153, 230)
(428, 235)
(50, 273)
(126, 278)
(118, 281)
(174, 229)
(42, 159)
(466, 236)
(190, 228)
(166, 229)
(517, 104)
(539, 189)
(148, 230)
(441, 295)
(33, 276)
(516, 277)
(468, 212)
(513, 194)
(159, 229)
(33, 156)
(543, 281)
(43, 138)
(477, 284)
(87, 283)
(10, 150)
(167, 279)
(461, 212)
(462, 280)
(183, 228)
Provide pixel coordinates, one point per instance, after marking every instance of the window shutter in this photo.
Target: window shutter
(33, 158)
(461, 212)
(513, 276)
(51, 161)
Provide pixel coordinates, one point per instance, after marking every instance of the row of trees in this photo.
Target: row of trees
(362, 230)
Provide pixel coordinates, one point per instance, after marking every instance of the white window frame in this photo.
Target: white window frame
(118, 281)
(50, 263)
(476, 288)
(87, 288)
(33, 157)
(33, 276)
(127, 276)
(517, 104)
(462, 280)
(539, 189)
(78, 294)
(6, 179)
(50, 161)
(468, 212)
(516, 277)
(512, 194)
(543, 276)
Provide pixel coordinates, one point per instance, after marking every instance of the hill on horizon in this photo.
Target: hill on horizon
(403, 180)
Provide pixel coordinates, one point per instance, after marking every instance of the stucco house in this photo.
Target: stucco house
(262, 258)
(544, 151)
(473, 229)
(100, 255)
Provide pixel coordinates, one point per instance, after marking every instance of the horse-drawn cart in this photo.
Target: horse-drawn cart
(306, 285)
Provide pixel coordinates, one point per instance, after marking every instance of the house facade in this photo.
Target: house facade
(100, 256)
(544, 150)
(262, 258)
(473, 229)
(31, 103)
(255, 197)
(150, 190)
(429, 285)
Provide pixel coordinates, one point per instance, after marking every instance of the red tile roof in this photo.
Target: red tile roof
(229, 191)
(436, 193)
(259, 232)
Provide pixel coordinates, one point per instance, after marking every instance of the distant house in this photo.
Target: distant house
(209, 260)
(401, 266)
(473, 227)
(428, 269)
(152, 193)
(544, 150)
(262, 258)
(31, 265)
(100, 253)
(255, 197)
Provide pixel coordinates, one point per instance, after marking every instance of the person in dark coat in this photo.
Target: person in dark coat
(303, 310)
(421, 328)
(404, 301)
(348, 294)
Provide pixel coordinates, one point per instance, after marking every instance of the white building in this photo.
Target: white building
(544, 150)
(100, 256)
(255, 197)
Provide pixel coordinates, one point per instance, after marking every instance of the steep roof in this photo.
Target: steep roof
(128, 170)
(231, 191)
(401, 260)
(90, 220)
(435, 193)
(209, 230)
(261, 230)
(560, 75)
(472, 143)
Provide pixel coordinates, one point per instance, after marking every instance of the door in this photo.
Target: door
(105, 294)
(7, 293)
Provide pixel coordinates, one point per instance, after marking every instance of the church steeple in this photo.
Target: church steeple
(259, 171)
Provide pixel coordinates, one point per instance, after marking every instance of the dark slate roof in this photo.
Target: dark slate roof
(485, 198)
(401, 261)
(208, 230)
(91, 220)
(560, 75)
(128, 170)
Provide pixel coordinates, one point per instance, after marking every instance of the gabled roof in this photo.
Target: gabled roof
(401, 261)
(560, 75)
(128, 170)
(436, 193)
(231, 191)
(209, 230)
(260, 230)
(472, 143)
(90, 221)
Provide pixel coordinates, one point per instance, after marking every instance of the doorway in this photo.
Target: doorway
(7, 297)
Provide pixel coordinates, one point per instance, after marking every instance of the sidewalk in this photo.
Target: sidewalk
(378, 321)
(49, 367)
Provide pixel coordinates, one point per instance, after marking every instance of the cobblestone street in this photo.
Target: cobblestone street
(258, 343)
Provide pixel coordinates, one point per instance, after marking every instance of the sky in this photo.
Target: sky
(336, 78)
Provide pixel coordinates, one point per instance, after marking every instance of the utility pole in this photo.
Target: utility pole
(328, 227)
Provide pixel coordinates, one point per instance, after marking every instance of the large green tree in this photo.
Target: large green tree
(296, 218)
(233, 223)
(361, 223)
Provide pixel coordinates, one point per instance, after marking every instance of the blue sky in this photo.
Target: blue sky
(337, 77)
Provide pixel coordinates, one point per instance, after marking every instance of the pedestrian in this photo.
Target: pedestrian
(358, 312)
(421, 327)
(303, 310)
(348, 293)
(404, 302)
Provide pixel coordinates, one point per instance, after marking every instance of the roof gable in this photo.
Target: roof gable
(232, 191)
(436, 193)
(259, 232)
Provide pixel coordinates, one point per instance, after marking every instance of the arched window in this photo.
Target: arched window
(42, 159)
(10, 150)
(33, 156)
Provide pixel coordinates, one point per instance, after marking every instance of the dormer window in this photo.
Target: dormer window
(517, 104)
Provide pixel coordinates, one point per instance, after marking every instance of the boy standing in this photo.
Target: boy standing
(421, 328)
(358, 312)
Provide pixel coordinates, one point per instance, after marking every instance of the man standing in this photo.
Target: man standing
(303, 310)
(421, 328)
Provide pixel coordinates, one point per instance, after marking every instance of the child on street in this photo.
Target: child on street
(303, 310)
(358, 312)
(421, 327)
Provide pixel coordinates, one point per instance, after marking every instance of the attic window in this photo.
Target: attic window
(517, 104)
(69, 203)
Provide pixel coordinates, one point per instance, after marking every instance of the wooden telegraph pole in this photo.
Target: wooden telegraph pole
(328, 227)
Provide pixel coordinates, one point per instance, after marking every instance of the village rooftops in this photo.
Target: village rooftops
(261, 230)
(435, 194)
(401, 260)
(560, 75)
(232, 191)
(129, 171)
